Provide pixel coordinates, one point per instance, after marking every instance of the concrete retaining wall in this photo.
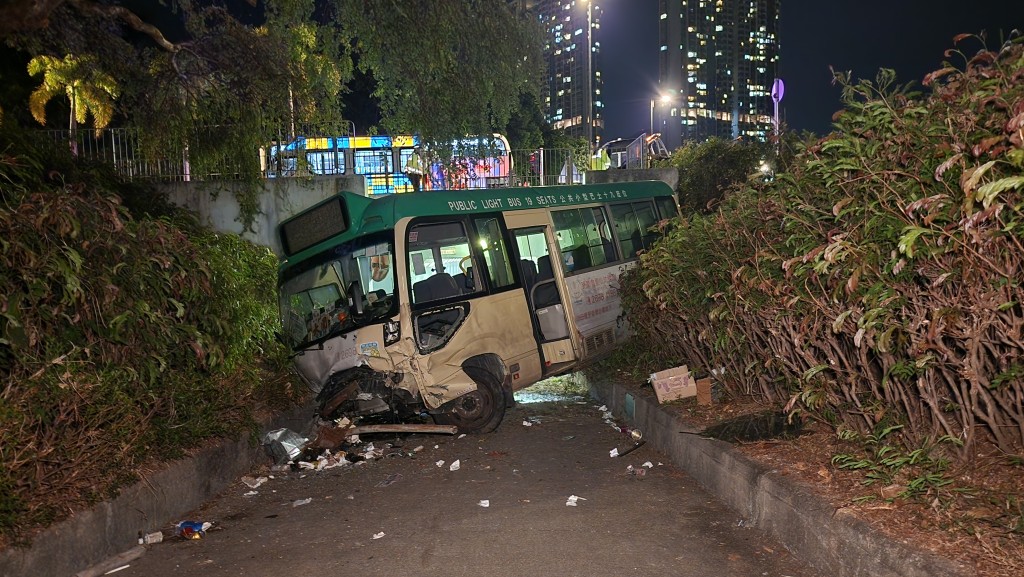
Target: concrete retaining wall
(163, 497)
(282, 197)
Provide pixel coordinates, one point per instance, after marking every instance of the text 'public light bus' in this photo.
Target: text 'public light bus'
(445, 303)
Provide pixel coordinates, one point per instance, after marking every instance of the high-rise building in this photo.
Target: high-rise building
(572, 50)
(718, 62)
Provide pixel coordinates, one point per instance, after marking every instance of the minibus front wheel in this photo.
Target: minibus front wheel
(479, 411)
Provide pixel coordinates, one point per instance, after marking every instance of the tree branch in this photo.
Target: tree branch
(129, 18)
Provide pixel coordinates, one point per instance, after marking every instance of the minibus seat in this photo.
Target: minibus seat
(544, 271)
(529, 271)
(545, 294)
(437, 287)
(465, 281)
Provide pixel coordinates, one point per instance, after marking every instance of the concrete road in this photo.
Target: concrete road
(403, 515)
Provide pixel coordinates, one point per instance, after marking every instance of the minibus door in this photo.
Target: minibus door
(543, 293)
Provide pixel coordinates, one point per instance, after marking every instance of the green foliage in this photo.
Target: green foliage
(418, 50)
(918, 472)
(122, 340)
(707, 169)
(874, 278)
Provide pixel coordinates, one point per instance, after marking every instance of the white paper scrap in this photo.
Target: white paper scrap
(527, 424)
(571, 501)
(454, 466)
(649, 465)
(614, 452)
(300, 502)
(378, 535)
(484, 503)
(440, 464)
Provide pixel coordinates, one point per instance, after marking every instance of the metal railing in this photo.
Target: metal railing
(134, 156)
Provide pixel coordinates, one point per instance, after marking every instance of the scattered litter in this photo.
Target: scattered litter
(390, 480)
(527, 424)
(571, 501)
(440, 464)
(378, 535)
(568, 437)
(484, 503)
(283, 445)
(117, 569)
(250, 493)
(301, 502)
(649, 465)
(253, 482)
(614, 452)
(603, 408)
(150, 538)
(436, 446)
(462, 435)
(638, 472)
(418, 449)
(454, 466)
(192, 529)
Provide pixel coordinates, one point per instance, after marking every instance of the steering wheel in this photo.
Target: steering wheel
(465, 267)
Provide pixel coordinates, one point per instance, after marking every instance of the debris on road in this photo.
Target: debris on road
(301, 502)
(378, 535)
(637, 472)
(192, 529)
(484, 503)
(151, 538)
(283, 445)
(455, 465)
(254, 482)
(440, 464)
(637, 437)
(390, 480)
(571, 501)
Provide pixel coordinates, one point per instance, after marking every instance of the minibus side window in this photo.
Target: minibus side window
(492, 244)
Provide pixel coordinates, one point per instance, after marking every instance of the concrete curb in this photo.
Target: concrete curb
(113, 527)
(829, 540)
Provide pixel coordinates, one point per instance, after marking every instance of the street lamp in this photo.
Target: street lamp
(664, 99)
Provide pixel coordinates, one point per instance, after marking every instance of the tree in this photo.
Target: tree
(89, 90)
(708, 169)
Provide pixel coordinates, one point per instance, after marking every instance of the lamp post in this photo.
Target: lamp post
(665, 99)
(589, 101)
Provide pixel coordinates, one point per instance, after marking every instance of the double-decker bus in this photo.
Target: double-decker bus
(448, 302)
(475, 161)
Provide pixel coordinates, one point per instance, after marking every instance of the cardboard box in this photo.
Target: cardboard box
(704, 391)
(672, 384)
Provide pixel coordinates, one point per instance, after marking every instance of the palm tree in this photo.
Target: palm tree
(89, 91)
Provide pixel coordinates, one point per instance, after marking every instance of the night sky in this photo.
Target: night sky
(861, 36)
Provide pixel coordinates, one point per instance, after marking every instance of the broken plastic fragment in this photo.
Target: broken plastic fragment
(649, 465)
(378, 535)
(440, 464)
(527, 424)
(462, 435)
(251, 493)
(454, 466)
(484, 503)
(614, 452)
(300, 502)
